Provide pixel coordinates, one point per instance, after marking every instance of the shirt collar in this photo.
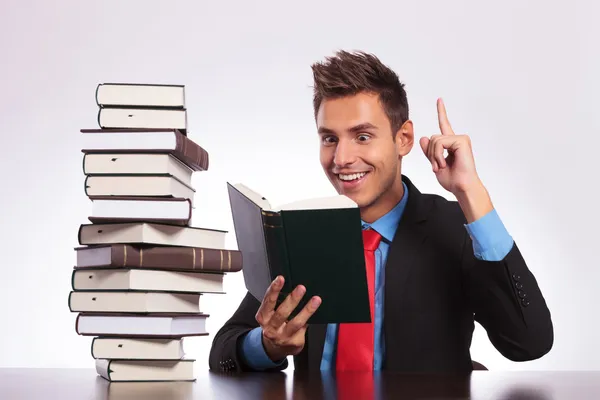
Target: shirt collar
(386, 225)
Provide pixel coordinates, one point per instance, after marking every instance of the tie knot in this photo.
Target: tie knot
(371, 239)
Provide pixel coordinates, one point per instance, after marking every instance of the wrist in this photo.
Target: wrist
(474, 201)
(272, 351)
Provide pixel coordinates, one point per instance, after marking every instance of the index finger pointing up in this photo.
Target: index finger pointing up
(445, 127)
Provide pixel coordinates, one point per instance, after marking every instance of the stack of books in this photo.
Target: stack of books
(141, 267)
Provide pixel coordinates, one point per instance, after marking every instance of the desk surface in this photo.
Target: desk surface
(85, 384)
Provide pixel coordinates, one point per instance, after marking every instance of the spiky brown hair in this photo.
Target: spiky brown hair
(349, 73)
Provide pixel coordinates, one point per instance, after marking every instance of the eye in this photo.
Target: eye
(329, 139)
(363, 137)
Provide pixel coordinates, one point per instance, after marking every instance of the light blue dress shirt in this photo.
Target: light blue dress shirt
(491, 242)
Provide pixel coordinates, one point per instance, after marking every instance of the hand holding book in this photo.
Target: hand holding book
(282, 337)
(315, 244)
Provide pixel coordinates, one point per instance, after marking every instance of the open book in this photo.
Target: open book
(314, 242)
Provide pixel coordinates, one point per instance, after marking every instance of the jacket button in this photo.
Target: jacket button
(519, 285)
(525, 302)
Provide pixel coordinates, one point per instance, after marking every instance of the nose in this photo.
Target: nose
(344, 154)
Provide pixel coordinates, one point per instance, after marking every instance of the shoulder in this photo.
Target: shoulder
(441, 209)
(429, 206)
(441, 217)
(444, 222)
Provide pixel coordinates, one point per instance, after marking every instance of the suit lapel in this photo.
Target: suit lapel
(403, 258)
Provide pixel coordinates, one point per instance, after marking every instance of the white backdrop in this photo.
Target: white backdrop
(521, 79)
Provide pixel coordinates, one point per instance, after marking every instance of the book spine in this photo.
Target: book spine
(96, 95)
(190, 153)
(277, 250)
(92, 348)
(176, 258)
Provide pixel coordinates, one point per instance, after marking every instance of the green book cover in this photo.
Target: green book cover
(315, 242)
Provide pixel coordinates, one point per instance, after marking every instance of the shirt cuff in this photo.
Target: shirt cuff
(491, 240)
(254, 353)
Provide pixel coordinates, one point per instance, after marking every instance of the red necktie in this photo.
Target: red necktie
(356, 341)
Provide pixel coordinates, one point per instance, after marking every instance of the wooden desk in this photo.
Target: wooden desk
(84, 384)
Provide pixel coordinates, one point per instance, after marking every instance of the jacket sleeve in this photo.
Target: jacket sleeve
(508, 303)
(226, 353)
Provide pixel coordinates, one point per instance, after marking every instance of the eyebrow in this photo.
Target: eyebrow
(355, 128)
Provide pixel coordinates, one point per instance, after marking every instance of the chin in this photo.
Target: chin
(361, 200)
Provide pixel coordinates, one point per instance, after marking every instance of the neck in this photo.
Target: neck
(384, 203)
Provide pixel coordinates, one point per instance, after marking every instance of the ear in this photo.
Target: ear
(405, 138)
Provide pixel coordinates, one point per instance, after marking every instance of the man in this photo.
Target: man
(438, 265)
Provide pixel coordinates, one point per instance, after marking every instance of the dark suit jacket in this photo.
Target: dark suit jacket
(435, 288)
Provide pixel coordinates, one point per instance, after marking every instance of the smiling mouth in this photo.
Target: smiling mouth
(351, 182)
(351, 177)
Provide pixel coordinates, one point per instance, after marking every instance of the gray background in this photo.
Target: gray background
(521, 78)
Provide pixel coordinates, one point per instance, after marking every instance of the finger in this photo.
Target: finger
(450, 143)
(444, 123)
(431, 152)
(424, 142)
(300, 320)
(286, 307)
(298, 340)
(267, 306)
(438, 151)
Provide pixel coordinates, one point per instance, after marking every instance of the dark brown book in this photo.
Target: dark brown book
(158, 257)
(167, 141)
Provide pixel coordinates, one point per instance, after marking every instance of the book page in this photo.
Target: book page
(256, 198)
(319, 203)
(331, 202)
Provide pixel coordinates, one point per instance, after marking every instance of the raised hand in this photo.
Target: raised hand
(282, 338)
(456, 172)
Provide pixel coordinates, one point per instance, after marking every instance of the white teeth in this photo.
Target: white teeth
(351, 177)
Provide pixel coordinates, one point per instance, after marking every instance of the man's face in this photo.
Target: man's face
(358, 152)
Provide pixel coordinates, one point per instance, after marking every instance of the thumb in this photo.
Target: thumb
(424, 142)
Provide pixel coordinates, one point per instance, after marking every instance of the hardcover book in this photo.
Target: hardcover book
(137, 164)
(316, 243)
(115, 370)
(145, 141)
(150, 234)
(165, 210)
(137, 348)
(142, 118)
(182, 258)
(137, 325)
(120, 94)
